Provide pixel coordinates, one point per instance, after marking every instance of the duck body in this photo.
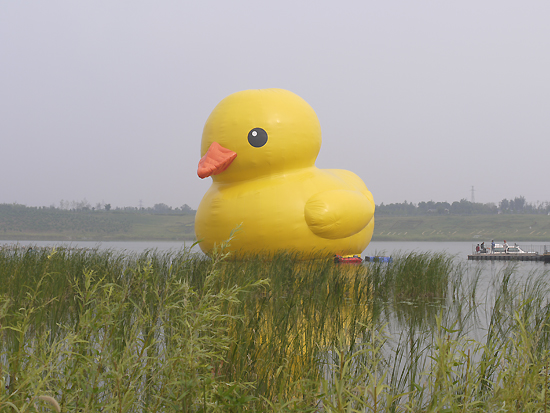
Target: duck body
(270, 188)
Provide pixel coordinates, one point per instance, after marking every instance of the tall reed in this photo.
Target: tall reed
(163, 332)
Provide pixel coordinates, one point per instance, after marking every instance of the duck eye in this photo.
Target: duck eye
(257, 137)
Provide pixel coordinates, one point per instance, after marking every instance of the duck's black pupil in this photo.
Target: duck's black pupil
(257, 137)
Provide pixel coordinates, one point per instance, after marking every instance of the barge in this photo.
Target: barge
(528, 256)
(508, 253)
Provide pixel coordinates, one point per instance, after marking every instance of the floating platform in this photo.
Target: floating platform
(355, 259)
(509, 257)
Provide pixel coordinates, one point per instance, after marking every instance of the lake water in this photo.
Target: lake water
(459, 249)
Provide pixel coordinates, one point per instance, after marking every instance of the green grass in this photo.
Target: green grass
(165, 332)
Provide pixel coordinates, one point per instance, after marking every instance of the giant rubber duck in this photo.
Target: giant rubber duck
(260, 147)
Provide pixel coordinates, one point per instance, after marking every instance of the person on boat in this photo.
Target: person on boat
(492, 246)
(477, 249)
(482, 248)
(505, 246)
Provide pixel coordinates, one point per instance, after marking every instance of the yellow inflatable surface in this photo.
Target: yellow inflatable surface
(260, 147)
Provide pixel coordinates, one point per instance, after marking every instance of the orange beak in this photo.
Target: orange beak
(216, 160)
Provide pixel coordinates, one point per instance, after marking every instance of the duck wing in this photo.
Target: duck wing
(339, 213)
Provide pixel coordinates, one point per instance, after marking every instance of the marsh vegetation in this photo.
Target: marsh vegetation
(176, 331)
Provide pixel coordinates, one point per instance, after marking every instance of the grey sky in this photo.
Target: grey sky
(106, 100)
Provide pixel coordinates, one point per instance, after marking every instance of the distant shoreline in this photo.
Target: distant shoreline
(147, 227)
(472, 228)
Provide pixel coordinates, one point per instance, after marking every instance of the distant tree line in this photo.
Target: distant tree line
(85, 206)
(517, 205)
(160, 209)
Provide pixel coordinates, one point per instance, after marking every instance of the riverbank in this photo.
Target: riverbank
(125, 226)
(474, 228)
(96, 226)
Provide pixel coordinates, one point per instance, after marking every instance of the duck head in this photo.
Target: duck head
(255, 133)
